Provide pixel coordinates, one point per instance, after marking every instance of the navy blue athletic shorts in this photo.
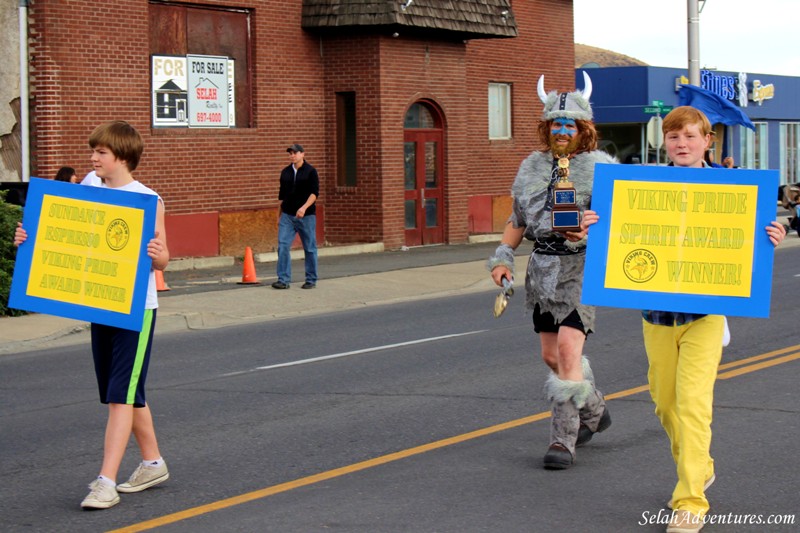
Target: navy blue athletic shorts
(121, 357)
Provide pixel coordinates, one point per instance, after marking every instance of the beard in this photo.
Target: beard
(567, 149)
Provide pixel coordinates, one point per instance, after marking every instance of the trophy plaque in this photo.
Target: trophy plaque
(565, 216)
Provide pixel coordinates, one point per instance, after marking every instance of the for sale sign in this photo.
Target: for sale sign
(169, 91)
(208, 91)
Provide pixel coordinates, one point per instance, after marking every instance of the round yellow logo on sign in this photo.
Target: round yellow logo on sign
(118, 234)
(640, 266)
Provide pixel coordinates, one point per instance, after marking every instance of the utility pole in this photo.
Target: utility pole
(694, 42)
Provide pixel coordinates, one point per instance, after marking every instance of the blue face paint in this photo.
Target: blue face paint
(559, 127)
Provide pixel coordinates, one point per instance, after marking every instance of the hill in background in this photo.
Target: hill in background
(605, 58)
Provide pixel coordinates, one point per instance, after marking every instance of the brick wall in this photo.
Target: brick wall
(413, 70)
(544, 46)
(90, 63)
(354, 213)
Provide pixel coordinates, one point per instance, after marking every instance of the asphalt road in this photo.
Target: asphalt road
(413, 417)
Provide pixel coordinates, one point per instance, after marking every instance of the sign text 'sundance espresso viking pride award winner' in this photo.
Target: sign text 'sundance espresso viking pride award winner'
(565, 216)
(85, 256)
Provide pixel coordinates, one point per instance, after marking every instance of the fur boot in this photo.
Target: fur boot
(594, 414)
(566, 399)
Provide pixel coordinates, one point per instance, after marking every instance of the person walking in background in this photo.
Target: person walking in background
(709, 159)
(555, 269)
(122, 356)
(67, 174)
(726, 163)
(299, 189)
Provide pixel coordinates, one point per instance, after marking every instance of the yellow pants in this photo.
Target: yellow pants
(683, 368)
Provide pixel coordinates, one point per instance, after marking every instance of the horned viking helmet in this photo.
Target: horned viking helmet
(573, 105)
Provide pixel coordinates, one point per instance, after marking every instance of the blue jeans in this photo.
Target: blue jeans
(288, 227)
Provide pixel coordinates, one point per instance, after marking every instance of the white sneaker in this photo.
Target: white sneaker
(145, 477)
(726, 333)
(101, 496)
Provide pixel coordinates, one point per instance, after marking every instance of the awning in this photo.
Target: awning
(716, 108)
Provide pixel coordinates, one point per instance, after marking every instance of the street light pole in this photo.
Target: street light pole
(694, 42)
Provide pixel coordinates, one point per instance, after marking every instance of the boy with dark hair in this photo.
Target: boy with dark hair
(684, 351)
(121, 356)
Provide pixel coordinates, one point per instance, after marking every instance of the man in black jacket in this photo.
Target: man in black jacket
(298, 194)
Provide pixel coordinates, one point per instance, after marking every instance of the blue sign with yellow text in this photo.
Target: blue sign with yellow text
(681, 239)
(86, 253)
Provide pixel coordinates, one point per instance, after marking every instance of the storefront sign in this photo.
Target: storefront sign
(680, 239)
(733, 88)
(725, 86)
(86, 253)
(762, 92)
(743, 92)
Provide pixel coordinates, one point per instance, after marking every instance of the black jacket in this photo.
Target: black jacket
(295, 190)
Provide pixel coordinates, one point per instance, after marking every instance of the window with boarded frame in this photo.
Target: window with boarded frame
(181, 29)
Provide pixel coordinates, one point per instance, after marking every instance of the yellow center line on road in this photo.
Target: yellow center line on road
(758, 366)
(765, 362)
(323, 476)
(761, 357)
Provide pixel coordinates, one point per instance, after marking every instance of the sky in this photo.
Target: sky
(752, 36)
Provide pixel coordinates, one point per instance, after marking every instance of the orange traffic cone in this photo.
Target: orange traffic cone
(161, 285)
(249, 270)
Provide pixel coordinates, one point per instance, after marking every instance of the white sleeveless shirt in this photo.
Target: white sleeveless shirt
(92, 180)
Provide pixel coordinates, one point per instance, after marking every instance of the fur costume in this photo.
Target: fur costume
(554, 278)
(579, 391)
(553, 281)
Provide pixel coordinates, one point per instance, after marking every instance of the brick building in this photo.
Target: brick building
(416, 113)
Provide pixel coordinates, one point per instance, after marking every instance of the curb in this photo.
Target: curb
(222, 261)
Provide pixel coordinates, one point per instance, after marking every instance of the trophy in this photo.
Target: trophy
(565, 216)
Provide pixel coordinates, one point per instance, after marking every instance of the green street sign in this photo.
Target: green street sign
(658, 110)
(658, 103)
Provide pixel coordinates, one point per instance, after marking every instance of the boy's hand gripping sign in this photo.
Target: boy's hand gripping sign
(681, 239)
(86, 253)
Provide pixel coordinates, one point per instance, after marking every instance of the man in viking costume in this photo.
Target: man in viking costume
(555, 269)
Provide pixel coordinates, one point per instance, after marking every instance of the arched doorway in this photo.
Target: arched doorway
(424, 175)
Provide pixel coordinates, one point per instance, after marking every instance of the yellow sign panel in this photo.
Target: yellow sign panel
(87, 253)
(689, 238)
